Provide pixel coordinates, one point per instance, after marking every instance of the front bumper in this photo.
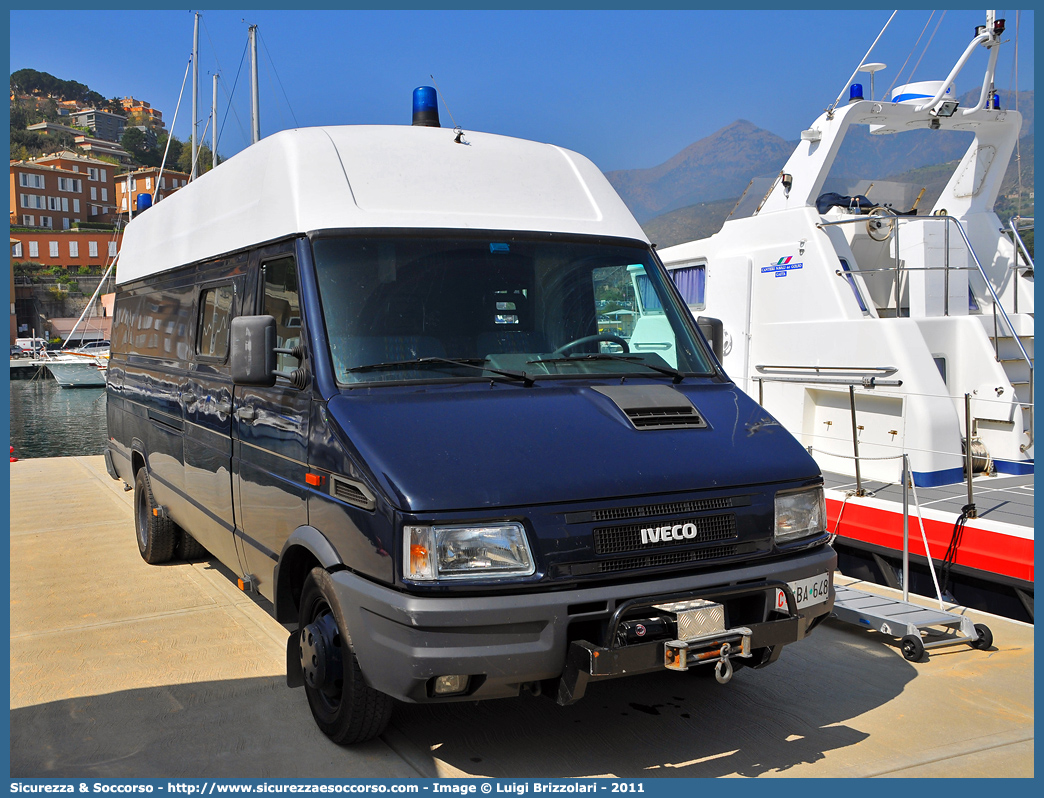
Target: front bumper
(402, 641)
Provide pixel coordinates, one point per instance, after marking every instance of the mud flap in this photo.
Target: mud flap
(294, 673)
(110, 466)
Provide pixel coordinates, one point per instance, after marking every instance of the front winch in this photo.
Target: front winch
(702, 636)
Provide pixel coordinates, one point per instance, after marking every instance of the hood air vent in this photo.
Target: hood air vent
(654, 406)
(351, 492)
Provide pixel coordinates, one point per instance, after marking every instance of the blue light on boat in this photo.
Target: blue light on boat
(855, 92)
(425, 107)
(144, 202)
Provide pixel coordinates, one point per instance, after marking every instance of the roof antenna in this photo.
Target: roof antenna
(456, 127)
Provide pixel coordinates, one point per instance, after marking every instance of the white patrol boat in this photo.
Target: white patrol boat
(874, 327)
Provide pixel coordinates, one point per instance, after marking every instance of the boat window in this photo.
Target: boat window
(692, 284)
(940, 363)
(215, 315)
(891, 170)
(283, 303)
(546, 307)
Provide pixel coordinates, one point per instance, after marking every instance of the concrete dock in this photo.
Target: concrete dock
(121, 669)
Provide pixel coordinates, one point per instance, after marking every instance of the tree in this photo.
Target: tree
(133, 141)
(185, 159)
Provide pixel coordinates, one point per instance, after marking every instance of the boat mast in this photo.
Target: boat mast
(255, 118)
(195, 87)
(214, 132)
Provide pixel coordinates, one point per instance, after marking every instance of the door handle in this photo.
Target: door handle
(246, 414)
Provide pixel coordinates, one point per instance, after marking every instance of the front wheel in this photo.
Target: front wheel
(345, 708)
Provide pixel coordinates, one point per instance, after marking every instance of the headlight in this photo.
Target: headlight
(799, 514)
(460, 552)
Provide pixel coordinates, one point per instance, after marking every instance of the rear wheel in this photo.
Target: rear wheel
(345, 708)
(985, 637)
(156, 535)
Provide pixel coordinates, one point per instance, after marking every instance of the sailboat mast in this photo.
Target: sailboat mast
(195, 92)
(255, 117)
(214, 132)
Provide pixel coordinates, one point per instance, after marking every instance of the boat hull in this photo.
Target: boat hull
(992, 561)
(78, 374)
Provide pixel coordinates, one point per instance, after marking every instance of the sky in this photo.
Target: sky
(628, 89)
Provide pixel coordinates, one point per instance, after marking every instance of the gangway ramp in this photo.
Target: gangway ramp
(898, 618)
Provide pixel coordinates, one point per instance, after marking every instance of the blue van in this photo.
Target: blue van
(364, 368)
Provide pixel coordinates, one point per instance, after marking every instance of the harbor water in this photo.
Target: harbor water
(50, 421)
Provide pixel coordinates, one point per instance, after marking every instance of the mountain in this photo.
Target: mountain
(712, 168)
(691, 195)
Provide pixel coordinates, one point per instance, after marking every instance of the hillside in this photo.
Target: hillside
(35, 96)
(714, 171)
(708, 170)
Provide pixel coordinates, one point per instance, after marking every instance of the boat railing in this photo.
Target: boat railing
(1015, 225)
(898, 270)
(870, 378)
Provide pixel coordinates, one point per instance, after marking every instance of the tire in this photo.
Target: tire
(156, 536)
(344, 707)
(188, 548)
(912, 647)
(985, 638)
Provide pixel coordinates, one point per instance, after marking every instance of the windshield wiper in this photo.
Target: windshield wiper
(676, 375)
(468, 362)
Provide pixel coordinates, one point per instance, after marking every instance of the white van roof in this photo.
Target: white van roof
(307, 179)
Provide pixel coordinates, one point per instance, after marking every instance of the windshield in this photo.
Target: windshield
(442, 307)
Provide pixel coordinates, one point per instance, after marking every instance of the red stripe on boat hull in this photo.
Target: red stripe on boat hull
(982, 549)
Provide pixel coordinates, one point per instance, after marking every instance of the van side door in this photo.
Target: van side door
(207, 406)
(270, 431)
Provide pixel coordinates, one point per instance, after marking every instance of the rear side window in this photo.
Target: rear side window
(215, 315)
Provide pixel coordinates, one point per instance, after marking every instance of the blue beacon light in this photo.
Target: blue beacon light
(425, 107)
(855, 92)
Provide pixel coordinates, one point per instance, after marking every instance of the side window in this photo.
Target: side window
(283, 304)
(692, 284)
(215, 315)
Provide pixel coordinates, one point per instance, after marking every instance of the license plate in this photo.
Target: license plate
(807, 592)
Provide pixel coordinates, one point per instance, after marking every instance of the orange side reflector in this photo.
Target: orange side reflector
(314, 479)
(155, 511)
(241, 585)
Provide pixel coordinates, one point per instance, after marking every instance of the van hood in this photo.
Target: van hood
(466, 447)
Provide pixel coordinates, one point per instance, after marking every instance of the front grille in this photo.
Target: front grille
(665, 558)
(614, 539)
(674, 508)
(657, 510)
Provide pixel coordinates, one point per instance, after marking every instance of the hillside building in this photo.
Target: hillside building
(152, 117)
(148, 181)
(54, 191)
(105, 125)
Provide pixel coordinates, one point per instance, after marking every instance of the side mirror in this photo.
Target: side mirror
(253, 350)
(714, 332)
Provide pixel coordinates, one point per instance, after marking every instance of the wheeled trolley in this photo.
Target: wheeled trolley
(908, 621)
